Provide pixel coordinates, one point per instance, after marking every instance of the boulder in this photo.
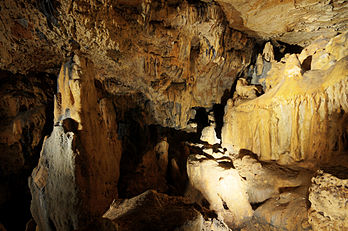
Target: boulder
(222, 187)
(288, 211)
(265, 180)
(209, 135)
(154, 211)
(328, 195)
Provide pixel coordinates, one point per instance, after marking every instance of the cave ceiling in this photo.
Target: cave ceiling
(167, 51)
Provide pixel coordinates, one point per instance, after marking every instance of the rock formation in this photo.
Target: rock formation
(222, 186)
(302, 114)
(294, 22)
(168, 51)
(154, 211)
(76, 178)
(175, 115)
(328, 197)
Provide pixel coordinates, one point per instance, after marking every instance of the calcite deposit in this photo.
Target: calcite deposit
(302, 114)
(76, 178)
(167, 51)
(290, 21)
(329, 200)
(173, 115)
(222, 186)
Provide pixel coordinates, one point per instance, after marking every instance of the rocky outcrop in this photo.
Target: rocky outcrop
(26, 104)
(302, 115)
(293, 22)
(76, 178)
(329, 204)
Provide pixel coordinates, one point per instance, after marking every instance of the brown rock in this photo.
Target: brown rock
(329, 204)
(77, 175)
(288, 211)
(169, 52)
(265, 180)
(154, 211)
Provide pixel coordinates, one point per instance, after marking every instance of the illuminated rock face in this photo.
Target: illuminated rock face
(76, 178)
(288, 21)
(301, 116)
(222, 186)
(329, 204)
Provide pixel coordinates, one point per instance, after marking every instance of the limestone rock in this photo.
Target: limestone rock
(167, 51)
(301, 117)
(259, 64)
(222, 186)
(268, 53)
(244, 92)
(76, 178)
(288, 211)
(25, 112)
(264, 180)
(23, 106)
(329, 204)
(209, 135)
(161, 150)
(293, 22)
(154, 211)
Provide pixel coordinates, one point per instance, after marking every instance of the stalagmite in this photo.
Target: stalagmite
(76, 178)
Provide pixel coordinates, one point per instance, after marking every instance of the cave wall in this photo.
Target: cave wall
(26, 107)
(302, 115)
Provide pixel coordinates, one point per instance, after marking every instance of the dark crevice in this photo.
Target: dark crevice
(306, 64)
(201, 119)
(254, 206)
(15, 212)
(281, 48)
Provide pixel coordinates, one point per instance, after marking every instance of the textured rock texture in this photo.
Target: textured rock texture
(265, 180)
(167, 51)
(155, 211)
(26, 104)
(76, 178)
(288, 211)
(329, 204)
(222, 186)
(293, 22)
(302, 114)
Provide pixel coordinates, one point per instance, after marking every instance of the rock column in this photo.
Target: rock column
(76, 178)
